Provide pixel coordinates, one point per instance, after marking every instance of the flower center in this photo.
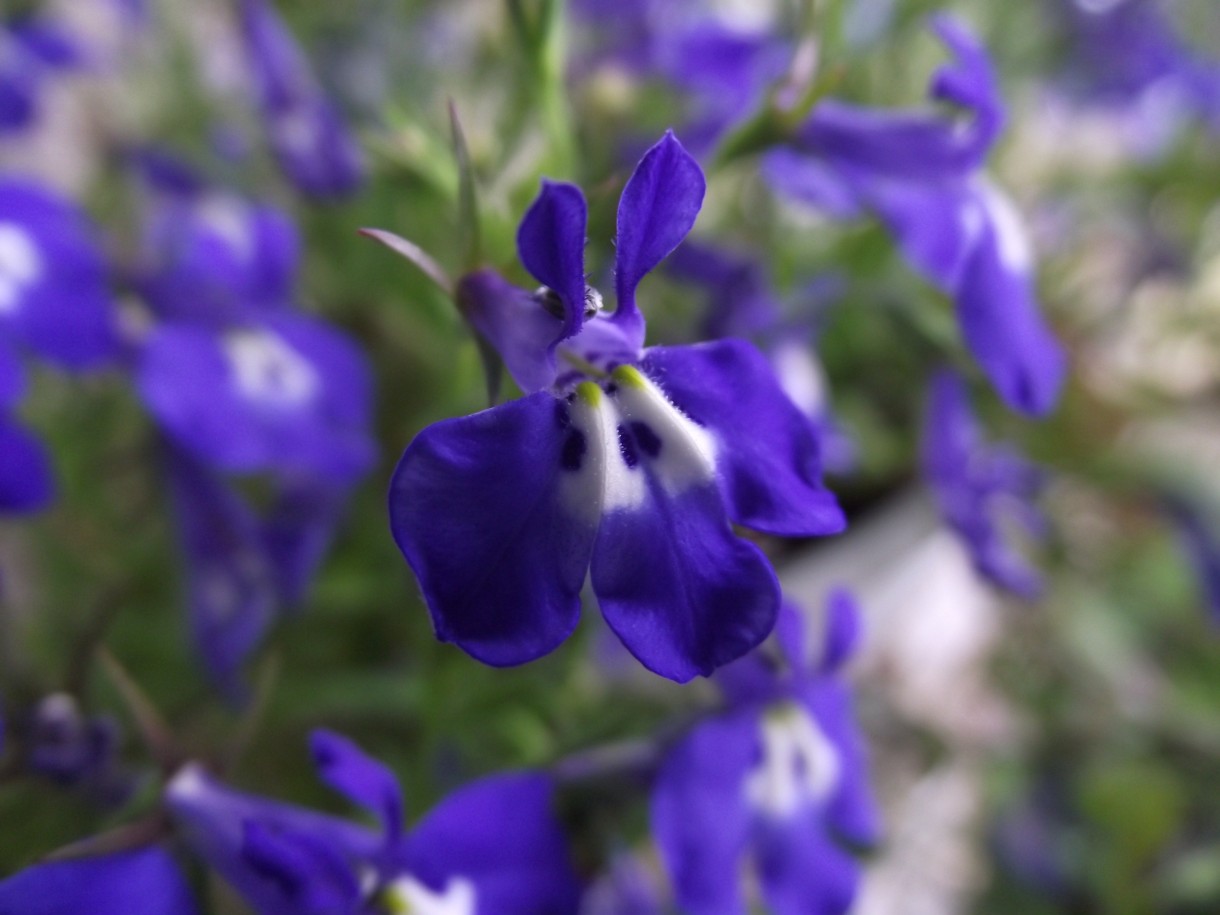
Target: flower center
(407, 896)
(626, 436)
(269, 371)
(20, 265)
(799, 765)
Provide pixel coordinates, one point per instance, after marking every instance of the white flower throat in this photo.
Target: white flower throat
(407, 896)
(799, 764)
(21, 265)
(269, 371)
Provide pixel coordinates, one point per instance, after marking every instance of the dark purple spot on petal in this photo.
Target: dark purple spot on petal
(649, 442)
(574, 447)
(627, 445)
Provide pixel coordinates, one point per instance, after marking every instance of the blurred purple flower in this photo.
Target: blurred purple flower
(54, 298)
(77, 751)
(231, 372)
(779, 778)
(244, 569)
(920, 172)
(55, 304)
(1130, 56)
(629, 461)
(306, 131)
(979, 487)
(491, 848)
(143, 881)
(31, 50)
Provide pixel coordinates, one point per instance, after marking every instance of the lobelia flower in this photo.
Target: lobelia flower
(621, 463)
(76, 751)
(242, 384)
(777, 779)
(142, 881)
(490, 848)
(743, 303)
(1129, 58)
(307, 134)
(231, 372)
(31, 50)
(54, 298)
(54, 304)
(921, 174)
(978, 487)
(244, 568)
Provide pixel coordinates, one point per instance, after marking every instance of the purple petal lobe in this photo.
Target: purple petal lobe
(683, 593)
(496, 514)
(27, 481)
(144, 881)
(657, 210)
(999, 315)
(700, 818)
(843, 630)
(231, 589)
(801, 868)
(501, 834)
(551, 244)
(850, 810)
(975, 482)
(366, 781)
(767, 456)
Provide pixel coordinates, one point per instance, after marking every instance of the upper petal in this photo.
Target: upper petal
(501, 834)
(657, 209)
(496, 514)
(363, 779)
(682, 591)
(551, 244)
(143, 881)
(767, 453)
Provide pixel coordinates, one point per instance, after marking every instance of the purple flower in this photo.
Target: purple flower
(1129, 56)
(54, 297)
(31, 49)
(76, 751)
(232, 373)
(979, 486)
(244, 568)
(491, 848)
(777, 779)
(920, 173)
(307, 134)
(625, 462)
(144, 881)
(55, 304)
